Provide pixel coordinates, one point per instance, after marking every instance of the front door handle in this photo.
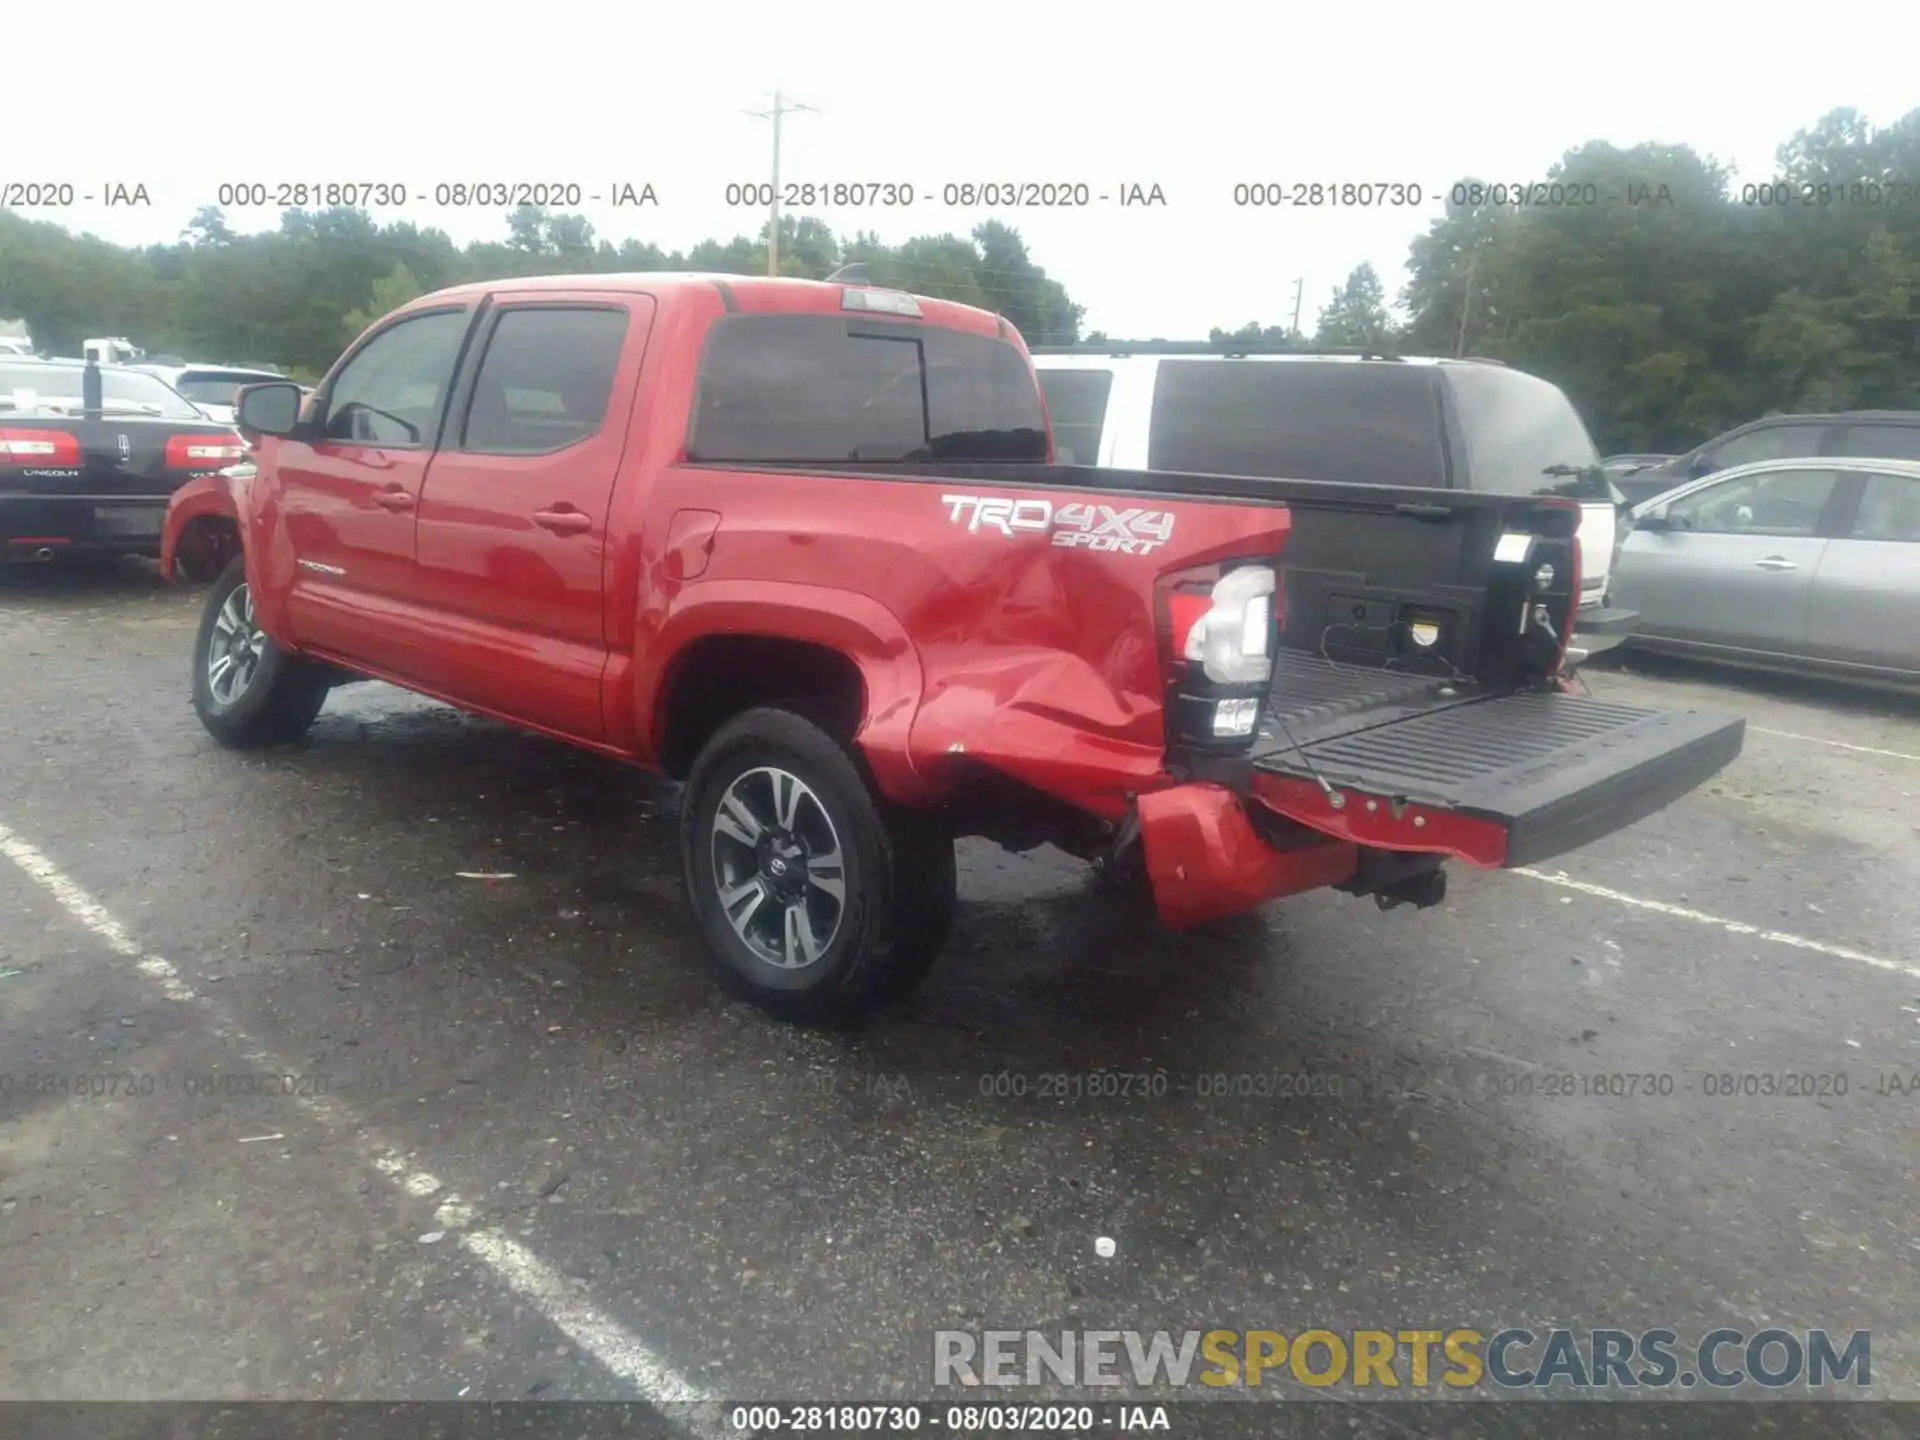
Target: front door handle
(1775, 562)
(393, 499)
(563, 522)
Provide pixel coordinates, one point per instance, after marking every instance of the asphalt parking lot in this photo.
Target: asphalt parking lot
(534, 1152)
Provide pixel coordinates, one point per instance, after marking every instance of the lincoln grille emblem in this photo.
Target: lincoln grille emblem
(126, 448)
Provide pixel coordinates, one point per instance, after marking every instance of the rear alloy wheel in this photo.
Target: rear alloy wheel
(247, 691)
(816, 899)
(779, 869)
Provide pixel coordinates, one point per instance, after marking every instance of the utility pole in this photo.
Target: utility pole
(781, 106)
(1466, 307)
(1299, 288)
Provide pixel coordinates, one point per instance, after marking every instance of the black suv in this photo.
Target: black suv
(1362, 417)
(1871, 434)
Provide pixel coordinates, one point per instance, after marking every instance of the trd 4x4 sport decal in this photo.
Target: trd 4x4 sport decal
(1077, 525)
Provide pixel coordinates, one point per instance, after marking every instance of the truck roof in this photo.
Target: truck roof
(739, 292)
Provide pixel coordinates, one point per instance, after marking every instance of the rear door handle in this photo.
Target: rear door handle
(563, 522)
(394, 499)
(1775, 562)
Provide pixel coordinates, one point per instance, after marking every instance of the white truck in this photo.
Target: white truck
(111, 350)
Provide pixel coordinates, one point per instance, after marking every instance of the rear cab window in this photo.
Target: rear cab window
(1356, 421)
(826, 390)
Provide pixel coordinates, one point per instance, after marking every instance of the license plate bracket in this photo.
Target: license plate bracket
(128, 522)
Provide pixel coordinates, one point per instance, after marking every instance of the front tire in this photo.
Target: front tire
(247, 691)
(818, 900)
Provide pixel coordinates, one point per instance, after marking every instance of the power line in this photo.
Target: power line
(781, 108)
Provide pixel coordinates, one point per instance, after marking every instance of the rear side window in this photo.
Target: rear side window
(545, 379)
(1882, 442)
(1889, 509)
(1517, 428)
(1077, 406)
(822, 390)
(1770, 442)
(1372, 424)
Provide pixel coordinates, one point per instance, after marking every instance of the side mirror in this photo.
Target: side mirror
(269, 409)
(1657, 517)
(1699, 465)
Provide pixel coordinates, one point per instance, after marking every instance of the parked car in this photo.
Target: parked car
(77, 478)
(1231, 409)
(1802, 564)
(800, 544)
(1870, 434)
(211, 387)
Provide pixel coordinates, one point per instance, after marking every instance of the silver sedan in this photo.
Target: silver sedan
(1808, 564)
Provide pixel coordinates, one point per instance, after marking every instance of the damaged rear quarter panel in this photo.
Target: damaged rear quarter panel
(1040, 650)
(1035, 657)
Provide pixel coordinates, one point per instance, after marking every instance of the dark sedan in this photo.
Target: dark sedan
(89, 455)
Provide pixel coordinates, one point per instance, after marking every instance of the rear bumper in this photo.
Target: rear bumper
(33, 524)
(1601, 628)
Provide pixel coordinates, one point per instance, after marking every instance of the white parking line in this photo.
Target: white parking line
(1732, 927)
(1835, 744)
(594, 1332)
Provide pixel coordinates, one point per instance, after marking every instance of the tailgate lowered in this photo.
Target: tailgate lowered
(1400, 762)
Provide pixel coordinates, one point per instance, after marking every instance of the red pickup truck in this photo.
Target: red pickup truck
(803, 546)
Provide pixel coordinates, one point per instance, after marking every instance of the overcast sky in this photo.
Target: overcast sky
(1194, 98)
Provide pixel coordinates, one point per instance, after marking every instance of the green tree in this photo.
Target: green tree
(390, 292)
(1357, 313)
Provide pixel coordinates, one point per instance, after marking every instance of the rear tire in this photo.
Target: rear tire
(817, 898)
(247, 691)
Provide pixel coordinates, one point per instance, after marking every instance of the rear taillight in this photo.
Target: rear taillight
(1231, 642)
(204, 452)
(29, 449)
(1218, 627)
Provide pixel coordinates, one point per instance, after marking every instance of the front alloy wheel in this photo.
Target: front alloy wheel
(246, 689)
(778, 868)
(235, 648)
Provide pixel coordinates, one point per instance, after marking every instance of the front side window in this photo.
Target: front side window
(391, 393)
(545, 380)
(1783, 503)
(822, 390)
